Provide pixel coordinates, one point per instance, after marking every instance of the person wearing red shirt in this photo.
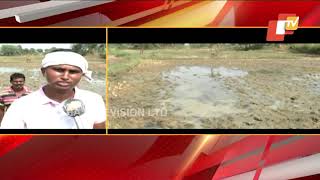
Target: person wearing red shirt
(13, 92)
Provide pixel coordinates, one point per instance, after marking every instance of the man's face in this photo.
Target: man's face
(62, 77)
(17, 83)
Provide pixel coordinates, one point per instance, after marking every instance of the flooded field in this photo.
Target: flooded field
(217, 93)
(199, 92)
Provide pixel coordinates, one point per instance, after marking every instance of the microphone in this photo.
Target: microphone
(74, 108)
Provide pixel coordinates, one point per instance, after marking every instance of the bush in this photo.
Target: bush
(95, 49)
(247, 47)
(305, 48)
(129, 59)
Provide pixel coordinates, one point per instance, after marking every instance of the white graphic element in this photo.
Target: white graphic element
(26, 13)
(295, 168)
(229, 19)
(282, 24)
(46, 9)
(281, 27)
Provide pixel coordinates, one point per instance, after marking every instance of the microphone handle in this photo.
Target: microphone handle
(76, 122)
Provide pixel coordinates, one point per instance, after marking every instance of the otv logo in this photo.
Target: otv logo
(285, 25)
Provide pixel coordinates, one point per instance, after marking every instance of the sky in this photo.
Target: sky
(42, 46)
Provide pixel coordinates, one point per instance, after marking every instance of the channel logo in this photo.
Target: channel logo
(285, 25)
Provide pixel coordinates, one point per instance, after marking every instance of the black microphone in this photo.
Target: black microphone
(74, 108)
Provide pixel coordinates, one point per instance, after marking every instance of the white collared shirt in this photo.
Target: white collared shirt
(37, 111)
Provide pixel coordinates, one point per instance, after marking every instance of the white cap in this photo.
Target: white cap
(69, 58)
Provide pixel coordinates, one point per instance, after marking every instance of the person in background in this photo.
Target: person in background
(59, 104)
(13, 92)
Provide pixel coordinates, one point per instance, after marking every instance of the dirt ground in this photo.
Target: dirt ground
(217, 93)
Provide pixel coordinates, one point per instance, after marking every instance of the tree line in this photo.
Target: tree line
(308, 48)
(83, 49)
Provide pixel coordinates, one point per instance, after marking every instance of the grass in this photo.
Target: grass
(38, 58)
(122, 67)
(313, 49)
(19, 59)
(267, 72)
(167, 54)
(224, 53)
(128, 59)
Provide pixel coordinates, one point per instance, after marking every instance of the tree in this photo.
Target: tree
(102, 50)
(49, 50)
(84, 49)
(80, 48)
(33, 51)
(10, 50)
(40, 51)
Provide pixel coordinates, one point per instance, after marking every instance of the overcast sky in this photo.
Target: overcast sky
(42, 46)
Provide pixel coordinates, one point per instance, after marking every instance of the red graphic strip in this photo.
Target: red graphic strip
(259, 13)
(160, 14)
(165, 146)
(228, 153)
(113, 10)
(9, 143)
(264, 155)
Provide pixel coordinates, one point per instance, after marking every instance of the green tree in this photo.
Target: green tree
(49, 50)
(10, 50)
(80, 48)
(84, 49)
(40, 51)
(32, 51)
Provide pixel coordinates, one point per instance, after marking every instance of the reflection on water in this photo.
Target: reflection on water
(225, 72)
(10, 70)
(35, 73)
(314, 82)
(97, 85)
(310, 81)
(316, 86)
(200, 92)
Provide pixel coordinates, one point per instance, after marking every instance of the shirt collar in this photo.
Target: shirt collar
(44, 99)
(10, 89)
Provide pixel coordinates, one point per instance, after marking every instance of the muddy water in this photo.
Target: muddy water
(314, 85)
(98, 85)
(311, 81)
(199, 92)
(255, 95)
(10, 70)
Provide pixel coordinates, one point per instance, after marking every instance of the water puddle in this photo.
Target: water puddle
(225, 72)
(312, 81)
(35, 73)
(10, 70)
(199, 92)
(97, 86)
(315, 86)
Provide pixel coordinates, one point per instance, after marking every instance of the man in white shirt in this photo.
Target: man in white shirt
(50, 107)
